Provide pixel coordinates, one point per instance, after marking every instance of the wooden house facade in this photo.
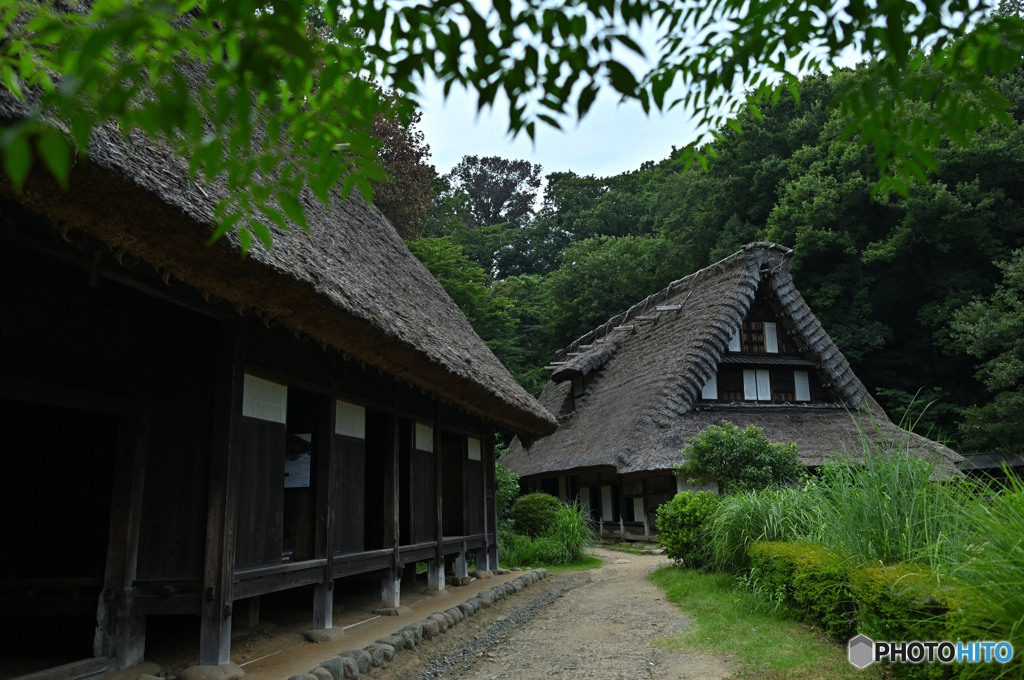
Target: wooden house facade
(733, 342)
(185, 429)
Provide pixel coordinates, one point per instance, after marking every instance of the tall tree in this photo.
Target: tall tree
(407, 195)
(500, 190)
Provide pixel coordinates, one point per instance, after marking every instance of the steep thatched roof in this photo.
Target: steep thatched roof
(350, 282)
(641, 408)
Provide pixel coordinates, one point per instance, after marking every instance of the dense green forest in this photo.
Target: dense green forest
(923, 293)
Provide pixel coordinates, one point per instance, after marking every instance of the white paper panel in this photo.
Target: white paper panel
(349, 419)
(264, 400)
(424, 442)
(749, 385)
(474, 448)
(764, 386)
(585, 501)
(771, 338)
(803, 387)
(296, 473)
(561, 488)
(606, 504)
(638, 509)
(710, 390)
(734, 341)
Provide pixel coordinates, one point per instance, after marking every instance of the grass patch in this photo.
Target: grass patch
(727, 620)
(588, 562)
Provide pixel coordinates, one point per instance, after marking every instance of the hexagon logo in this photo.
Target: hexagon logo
(862, 651)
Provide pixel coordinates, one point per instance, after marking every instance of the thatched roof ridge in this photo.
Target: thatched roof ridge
(640, 410)
(350, 283)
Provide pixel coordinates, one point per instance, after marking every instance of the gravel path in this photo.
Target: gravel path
(593, 625)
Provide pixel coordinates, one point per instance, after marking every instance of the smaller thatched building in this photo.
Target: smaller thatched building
(733, 342)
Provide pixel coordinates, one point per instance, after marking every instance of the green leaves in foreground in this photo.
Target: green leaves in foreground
(241, 89)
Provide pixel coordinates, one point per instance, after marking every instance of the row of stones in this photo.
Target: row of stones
(352, 662)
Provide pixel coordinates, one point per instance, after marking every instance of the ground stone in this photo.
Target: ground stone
(477, 603)
(303, 676)
(410, 638)
(324, 634)
(431, 628)
(321, 673)
(456, 614)
(341, 668)
(362, 659)
(467, 610)
(486, 597)
(481, 573)
(392, 611)
(417, 630)
(380, 654)
(443, 621)
(396, 642)
(228, 671)
(509, 588)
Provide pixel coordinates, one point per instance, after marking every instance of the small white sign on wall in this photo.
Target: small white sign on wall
(296, 473)
(638, 509)
(474, 448)
(606, 504)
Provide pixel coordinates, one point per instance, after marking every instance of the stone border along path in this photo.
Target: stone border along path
(351, 663)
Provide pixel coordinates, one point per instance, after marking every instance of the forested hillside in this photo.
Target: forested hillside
(886, 274)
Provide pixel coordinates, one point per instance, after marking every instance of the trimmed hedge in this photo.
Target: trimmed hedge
(533, 514)
(810, 578)
(907, 602)
(681, 526)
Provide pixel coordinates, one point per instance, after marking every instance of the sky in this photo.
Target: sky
(613, 138)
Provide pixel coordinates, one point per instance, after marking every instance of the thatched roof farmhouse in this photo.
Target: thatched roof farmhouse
(200, 429)
(733, 342)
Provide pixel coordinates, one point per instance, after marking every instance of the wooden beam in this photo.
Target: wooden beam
(623, 328)
(36, 392)
(668, 308)
(225, 463)
(70, 671)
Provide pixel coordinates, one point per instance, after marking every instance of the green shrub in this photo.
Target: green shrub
(808, 578)
(908, 602)
(889, 508)
(739, 460)
(533, 513)
(681, 526)
(994, 568)
(508, 488)
(769, 515)
(566, 540)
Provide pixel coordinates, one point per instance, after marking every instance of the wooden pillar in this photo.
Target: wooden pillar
(490, 502)
(391, 585)
(120, 633)
(218, 570)
(647, 525)
(462, 562)
(435, 569)
(323, 593)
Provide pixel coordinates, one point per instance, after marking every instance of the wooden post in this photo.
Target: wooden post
(218, 571)
(647, 525)
(462, 562)
(391, 584)
(119, 632)
(435, 569)
(490, 503)
(323, 593)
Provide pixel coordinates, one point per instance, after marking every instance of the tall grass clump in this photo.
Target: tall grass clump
(994, 567)
(891, 508)
(771, 515)
(565, 540)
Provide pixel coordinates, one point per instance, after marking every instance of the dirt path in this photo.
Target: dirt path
(596, 625)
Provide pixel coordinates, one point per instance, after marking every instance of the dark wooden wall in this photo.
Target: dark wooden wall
(424, 513)
(453, 458)
(260, 512)
(351, 480)
(474, 497)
